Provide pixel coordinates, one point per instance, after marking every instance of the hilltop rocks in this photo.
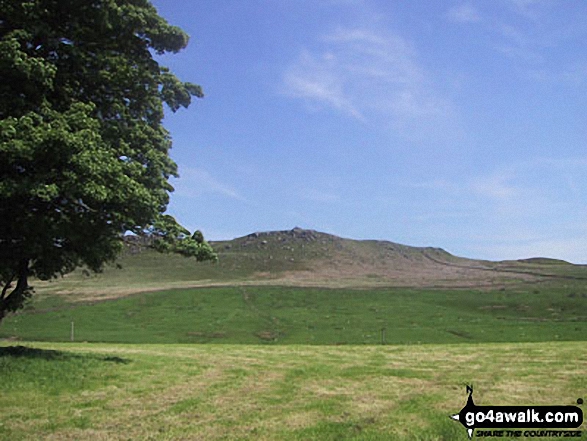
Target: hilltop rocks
(312, 258)
(307, 235)
(284, 236)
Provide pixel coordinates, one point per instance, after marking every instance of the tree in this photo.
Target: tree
(84, 157)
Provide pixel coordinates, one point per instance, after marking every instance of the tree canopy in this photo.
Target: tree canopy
(84, 157)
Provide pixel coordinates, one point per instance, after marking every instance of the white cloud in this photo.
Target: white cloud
(530, 9)
(465, 13)
(317, 79)
(520, 210)
(194, 182)
(521, 35)
(434, 184)
(497, 187)
(374, 77)
(518, 44)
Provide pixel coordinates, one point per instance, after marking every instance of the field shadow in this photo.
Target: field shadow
(50, 354)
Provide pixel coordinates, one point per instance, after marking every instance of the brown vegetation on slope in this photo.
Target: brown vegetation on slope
(300, 257)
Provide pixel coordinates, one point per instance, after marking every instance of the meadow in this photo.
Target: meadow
(293, 315)
(73, 391)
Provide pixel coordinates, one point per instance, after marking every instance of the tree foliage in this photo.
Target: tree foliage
(84, 157)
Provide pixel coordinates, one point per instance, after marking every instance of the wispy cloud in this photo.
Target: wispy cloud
(465, 13)
(498, 187)
(441, 185)
(574, 74)
(518, 45)
(524, 209)
(534, 35)
(194, 182)
(538, 179)
(318, 80)
(372, 76)
(570, 249)
(530, 9)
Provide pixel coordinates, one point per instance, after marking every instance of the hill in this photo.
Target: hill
(305, 287)
(300, 257)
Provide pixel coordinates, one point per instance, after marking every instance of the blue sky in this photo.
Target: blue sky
(454, 124)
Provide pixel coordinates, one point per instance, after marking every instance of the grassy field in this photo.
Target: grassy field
(287, 315)
(60, 391)
(293, 335)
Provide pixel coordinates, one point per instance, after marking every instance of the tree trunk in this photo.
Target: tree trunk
(13, 300)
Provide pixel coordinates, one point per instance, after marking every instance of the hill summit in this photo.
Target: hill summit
(308, 257)
(301, 257)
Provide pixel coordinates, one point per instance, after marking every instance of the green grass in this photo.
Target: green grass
(279, 315)
(253, 392)
(246, 362)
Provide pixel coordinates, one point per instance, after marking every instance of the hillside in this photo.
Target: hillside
(307, 257)
(301, 257)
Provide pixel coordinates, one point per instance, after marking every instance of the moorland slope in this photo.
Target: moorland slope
(300, 257)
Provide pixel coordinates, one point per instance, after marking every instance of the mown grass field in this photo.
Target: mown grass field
(64, 391)
(288, 315)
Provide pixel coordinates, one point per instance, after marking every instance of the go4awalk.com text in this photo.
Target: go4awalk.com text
(520, 421)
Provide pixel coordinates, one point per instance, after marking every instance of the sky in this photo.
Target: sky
(452, 124)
